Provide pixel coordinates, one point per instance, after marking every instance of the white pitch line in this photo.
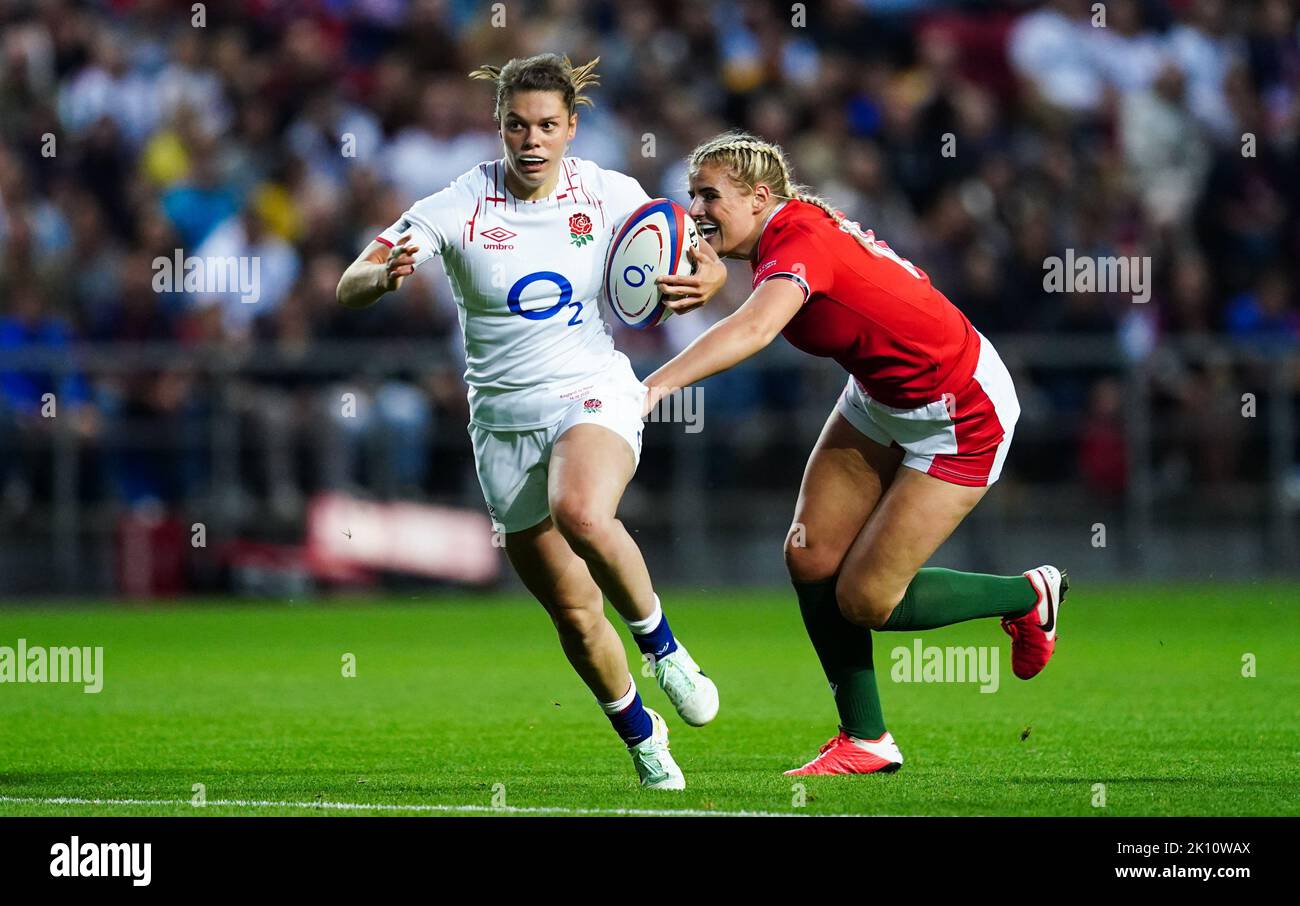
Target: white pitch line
(419, 807)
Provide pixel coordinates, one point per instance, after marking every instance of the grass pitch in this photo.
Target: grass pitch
(465, 705)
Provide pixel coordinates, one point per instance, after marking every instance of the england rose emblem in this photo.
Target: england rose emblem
(592, 405)
(579, 229)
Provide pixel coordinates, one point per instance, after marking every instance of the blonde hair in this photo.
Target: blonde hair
(748, 161)
(544, 72)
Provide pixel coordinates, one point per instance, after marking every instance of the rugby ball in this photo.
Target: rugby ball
(650, 242)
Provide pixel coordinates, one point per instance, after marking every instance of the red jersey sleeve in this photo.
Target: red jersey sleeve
(791, 252)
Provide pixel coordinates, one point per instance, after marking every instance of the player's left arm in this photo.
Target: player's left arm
(684, 292)
(732, 340)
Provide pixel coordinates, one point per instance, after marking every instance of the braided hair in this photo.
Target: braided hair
(544, 72)
(749, 161)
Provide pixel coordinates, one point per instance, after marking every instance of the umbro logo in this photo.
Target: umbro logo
(497, 238)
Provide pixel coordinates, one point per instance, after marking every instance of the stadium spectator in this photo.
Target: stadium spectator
(288, 133)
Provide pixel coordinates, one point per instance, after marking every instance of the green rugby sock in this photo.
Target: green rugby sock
(941, 597)
(844, 649)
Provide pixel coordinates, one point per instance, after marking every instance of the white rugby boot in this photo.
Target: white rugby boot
(654, 763)
(693, 694)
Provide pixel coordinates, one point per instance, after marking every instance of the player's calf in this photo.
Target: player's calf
(867, 602)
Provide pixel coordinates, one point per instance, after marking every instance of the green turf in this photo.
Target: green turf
(457, 695)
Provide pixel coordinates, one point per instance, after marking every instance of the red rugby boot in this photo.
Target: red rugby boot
(846, 755)
(1033, 636)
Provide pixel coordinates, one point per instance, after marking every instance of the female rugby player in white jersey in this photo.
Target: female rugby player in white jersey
(555, 410)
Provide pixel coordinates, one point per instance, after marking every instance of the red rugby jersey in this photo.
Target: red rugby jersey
(868, 309)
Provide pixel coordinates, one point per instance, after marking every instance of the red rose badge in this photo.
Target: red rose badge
(579, 229)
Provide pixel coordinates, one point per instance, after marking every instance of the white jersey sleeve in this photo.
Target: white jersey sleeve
(622, 193)
(435, 222)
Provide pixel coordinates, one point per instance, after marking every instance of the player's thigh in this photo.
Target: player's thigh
(595, 454)
(589, 470)
(914, 517)
(555, 575)
(846, 475)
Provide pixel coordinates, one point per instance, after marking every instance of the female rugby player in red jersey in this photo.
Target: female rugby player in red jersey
(919, 433)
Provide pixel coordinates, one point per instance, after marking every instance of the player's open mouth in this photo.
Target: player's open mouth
(706, 229)
(530, 163)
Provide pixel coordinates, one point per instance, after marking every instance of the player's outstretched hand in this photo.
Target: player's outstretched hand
(400, 262)
(685, 292)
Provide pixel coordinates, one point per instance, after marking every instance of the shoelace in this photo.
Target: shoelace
(1013, 630)
(681, 675)
(834, 742)
(655, 763)
(654, 767)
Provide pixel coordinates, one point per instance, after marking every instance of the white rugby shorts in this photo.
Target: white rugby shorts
(512, 465)
(962, 437)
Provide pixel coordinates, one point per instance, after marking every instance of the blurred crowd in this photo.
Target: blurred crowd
(978, 138)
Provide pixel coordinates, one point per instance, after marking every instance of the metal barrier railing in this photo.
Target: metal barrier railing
(691, 514)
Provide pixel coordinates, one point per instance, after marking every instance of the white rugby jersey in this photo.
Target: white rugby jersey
(527, 278)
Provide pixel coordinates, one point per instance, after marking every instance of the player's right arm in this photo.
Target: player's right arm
(417, 236)
(377, 270)
(729, 342)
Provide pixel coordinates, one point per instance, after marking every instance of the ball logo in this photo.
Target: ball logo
(635, 276)
(579, 229)
(592, 405)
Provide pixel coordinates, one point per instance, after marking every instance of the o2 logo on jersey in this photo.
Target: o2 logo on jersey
(542, 314)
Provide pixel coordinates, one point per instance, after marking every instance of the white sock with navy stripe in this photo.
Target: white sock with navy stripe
(652, 634)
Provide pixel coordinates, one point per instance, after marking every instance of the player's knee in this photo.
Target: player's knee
(575, 622)
(807, 563)
(581, 524)
(865, 603)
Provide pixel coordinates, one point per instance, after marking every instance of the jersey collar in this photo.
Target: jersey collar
(536, 201)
